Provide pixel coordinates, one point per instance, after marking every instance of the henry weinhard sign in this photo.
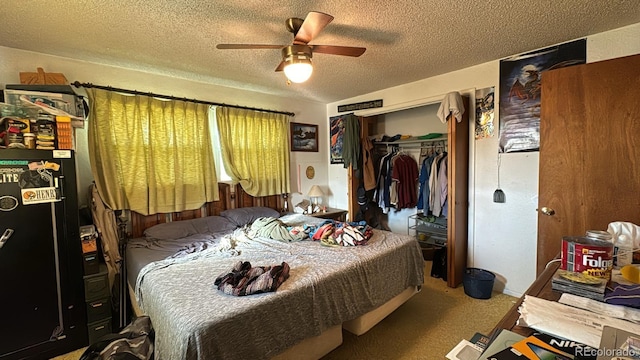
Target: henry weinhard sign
(360, 106)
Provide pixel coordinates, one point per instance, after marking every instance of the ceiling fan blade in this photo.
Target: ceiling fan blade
(248, 46)
(280, 66)
(338, 50)
(311, 27)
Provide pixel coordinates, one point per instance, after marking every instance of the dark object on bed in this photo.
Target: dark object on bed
(243, 279)
(134, 342)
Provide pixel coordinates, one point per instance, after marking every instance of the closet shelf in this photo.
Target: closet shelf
(409, 141)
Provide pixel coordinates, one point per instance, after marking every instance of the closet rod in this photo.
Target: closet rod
(169, 97)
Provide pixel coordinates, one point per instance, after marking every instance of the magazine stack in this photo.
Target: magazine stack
(580, 284)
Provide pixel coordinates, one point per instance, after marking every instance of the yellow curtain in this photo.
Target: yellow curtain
(149, 155)
(255, 149)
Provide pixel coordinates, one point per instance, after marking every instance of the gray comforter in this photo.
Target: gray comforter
(327, 286)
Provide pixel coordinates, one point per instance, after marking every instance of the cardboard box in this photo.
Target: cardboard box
(41, 77)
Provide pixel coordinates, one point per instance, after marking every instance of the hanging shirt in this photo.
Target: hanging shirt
(434, 187)
(405, 174)
(423, 194)
(452, 103)
(443, 181)
(381, 195)
(351, 142)
(393, 185)
(368, 173)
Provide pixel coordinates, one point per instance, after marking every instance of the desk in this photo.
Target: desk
(541, 288)
(333, 214)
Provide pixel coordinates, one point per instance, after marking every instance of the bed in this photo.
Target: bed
(172, 267)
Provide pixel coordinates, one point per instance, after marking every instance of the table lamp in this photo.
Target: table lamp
(314, 193)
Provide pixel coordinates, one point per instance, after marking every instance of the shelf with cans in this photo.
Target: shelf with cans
(33, 118)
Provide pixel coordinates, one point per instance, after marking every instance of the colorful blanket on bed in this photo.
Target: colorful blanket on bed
(273, 228)
(329, 232)
(337, 233)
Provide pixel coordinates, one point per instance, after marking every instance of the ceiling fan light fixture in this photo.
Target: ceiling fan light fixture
(298, 68)
(296, 58)
(297, 62)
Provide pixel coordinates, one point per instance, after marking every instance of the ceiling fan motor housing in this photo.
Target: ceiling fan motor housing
(301, 52)
(293, 25)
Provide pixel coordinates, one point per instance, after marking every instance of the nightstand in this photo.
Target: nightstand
(333, 214)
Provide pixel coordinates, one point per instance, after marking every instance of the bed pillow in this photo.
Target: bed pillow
(244, 216)
(213, 224)
(171, 230)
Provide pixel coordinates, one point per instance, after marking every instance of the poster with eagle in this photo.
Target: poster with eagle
(520, 86)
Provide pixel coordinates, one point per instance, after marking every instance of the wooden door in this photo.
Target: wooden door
(589, 151)
(458, 196)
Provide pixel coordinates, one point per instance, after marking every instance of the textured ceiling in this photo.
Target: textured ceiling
(406, 40)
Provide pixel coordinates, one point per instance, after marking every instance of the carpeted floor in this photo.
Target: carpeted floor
(426, 327)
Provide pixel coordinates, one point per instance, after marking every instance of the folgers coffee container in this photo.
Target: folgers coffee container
(591, 254)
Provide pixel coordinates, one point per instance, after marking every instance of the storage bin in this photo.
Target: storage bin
(478, 283)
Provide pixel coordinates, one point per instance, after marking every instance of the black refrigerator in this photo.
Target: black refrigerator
(42, 308)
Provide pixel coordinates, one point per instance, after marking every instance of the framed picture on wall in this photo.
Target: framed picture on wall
(336, 129)
(304, 137)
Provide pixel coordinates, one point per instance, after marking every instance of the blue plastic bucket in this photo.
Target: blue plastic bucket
(478, 283)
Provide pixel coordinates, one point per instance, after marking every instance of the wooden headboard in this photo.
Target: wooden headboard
(231, 197)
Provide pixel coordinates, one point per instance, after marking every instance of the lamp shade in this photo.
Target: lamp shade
(298, 71)
(315, 191)
(297, 62)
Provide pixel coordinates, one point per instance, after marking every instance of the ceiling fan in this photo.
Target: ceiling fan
(296, 58)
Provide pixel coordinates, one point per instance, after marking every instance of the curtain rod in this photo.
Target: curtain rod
(167, 97)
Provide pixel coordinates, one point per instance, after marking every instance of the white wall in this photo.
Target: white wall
(502, 236)
(13, 61)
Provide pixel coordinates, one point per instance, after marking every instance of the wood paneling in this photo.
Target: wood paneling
(231, 197)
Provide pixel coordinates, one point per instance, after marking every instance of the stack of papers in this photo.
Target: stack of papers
(568, 322)
(573, 328)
